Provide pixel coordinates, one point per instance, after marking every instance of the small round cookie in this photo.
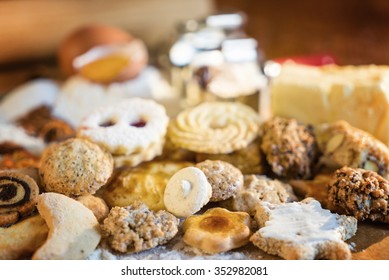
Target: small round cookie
(224, 178)
(96, 204)
(127, 128)
(214, 127)
(18, 196)
(75, 167)
(187, 192)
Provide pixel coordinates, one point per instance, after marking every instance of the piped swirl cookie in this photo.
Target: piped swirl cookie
(18, 196)
(132, 130)
(214, 127)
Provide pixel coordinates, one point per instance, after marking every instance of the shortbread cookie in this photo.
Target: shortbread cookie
(187, 191)
(75, 167)
(18, 196)
(249, 160)
(361, 193)
(145, 183)
(73, 229)
(127, 128)
(225, 179)
(302, 230)
(217, 230)
(136, 228)
(22, 239)
(260, 188)
(344, 145)
(214, 127)
(96, 204)
(290, 147)
(17, 136)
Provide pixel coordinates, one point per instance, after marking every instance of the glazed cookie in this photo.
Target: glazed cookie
(187, 191)
(225, 179)
(260, 188)
(134, 127)
(361, 193)
(345, 145)
(311, 232)
(145, 183)
(136, 228)
(217, 230)
(18, 196)
(73, 229)
(290, 147)
(75, 167)
(214, 127)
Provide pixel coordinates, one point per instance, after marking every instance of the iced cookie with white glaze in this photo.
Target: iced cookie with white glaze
(303, 230)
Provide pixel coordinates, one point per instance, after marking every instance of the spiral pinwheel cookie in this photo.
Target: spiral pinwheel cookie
(217, 230)
(132, 130)
(18, 196)
(214, 127)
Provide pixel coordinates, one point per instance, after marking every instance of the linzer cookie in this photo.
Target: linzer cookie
(18, 196)
(302, 230)
(345, 145)
(214, 127)
(290, 147)
(217, 230)
(132, 130)
(361, 193)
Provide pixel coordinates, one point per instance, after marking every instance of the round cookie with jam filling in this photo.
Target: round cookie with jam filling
(18, 196)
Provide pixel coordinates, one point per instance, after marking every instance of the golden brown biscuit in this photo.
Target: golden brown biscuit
(18, 196)
(145, 183)
(217, 230)
(96, 204)
(224, 178)
(22, 239)
(75, 167)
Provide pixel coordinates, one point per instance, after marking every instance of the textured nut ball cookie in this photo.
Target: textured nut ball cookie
(224, 178)
(75, 167)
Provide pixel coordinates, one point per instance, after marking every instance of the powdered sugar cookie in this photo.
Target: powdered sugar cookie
(129, 128)
(187, 192)
(217, 230)
(311, 232)
(215, 127)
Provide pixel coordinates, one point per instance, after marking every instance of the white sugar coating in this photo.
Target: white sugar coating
(16, 135)
(303, 223)
(27, 97)
(187, 192)
(122, 136)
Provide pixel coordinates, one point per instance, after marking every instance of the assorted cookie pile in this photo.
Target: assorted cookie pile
(129, 179)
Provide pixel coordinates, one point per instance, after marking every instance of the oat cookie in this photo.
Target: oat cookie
(73, 229)
(258, 188)
(225, 179)
(302, 230)
(18, 196)
(361, 193)
(249, 160)
(187, 191)
(128, 128)
(217, 230)
(75, 167)
(21, 240)
(136, 228)
(290, 147)
(145, 183)
(214, 127)
(345, 145)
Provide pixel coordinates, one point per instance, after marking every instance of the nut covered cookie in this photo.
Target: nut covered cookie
(214, 127)
(217, 230)
(311, 232)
